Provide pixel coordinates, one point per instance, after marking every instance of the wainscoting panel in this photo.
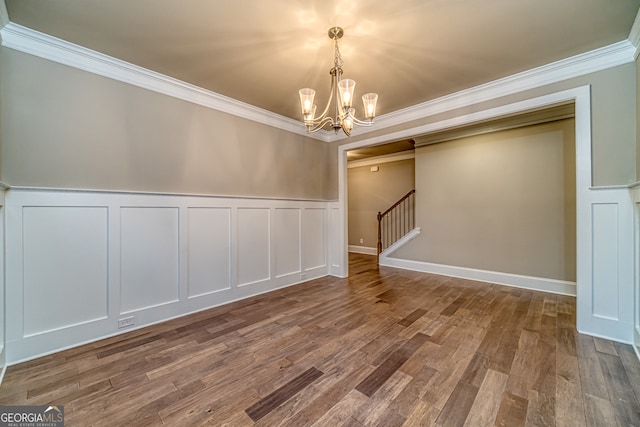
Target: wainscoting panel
(3, 353)
(149, 257)
(605, 287)
(253, 245)
(84, 265)
(65, 267)
(605, 256)
(635, 194)
(314, 255)
(287, 241)
(209, 250)
(337, 243)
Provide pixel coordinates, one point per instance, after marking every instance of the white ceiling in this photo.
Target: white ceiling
(262, 51)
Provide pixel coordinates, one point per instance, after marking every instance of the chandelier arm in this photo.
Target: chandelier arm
(326, 109)
(362, 122)
(320, 125)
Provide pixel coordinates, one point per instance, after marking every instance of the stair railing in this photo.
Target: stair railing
(396, 221)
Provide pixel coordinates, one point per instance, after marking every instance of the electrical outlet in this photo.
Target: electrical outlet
(361, 240)
(125, 322)
(303, 276)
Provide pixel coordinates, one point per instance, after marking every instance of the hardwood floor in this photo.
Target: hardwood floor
(384, 347)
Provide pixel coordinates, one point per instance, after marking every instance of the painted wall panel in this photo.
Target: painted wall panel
(314, 254)
(149, 257)
(253, 245)
(336, 252)
(65, 266)
(636, 281)
(209, 246)
(287, 241)
(3, 359)
(606, 307)
(605, 260)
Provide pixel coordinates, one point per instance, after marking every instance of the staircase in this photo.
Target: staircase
(396, 221)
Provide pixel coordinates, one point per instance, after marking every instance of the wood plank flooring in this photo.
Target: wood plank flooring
(384, 347)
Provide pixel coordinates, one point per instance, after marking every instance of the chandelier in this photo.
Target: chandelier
(343, 90)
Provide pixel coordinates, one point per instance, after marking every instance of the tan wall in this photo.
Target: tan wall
(373, 192)
(614, 118)
(66, 128)
(501, 202)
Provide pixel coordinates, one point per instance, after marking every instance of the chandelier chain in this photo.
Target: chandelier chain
(337, 60)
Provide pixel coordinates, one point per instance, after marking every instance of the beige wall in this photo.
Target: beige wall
(373, 192)
(614, 118)
(501, 202)
(66, 128)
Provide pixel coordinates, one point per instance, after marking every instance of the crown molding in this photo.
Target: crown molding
(35, 43)
(26, 40)
(634, 35)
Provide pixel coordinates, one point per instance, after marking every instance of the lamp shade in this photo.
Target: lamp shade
(370, 100)
(306, 100)
(308, 118)
(347, 87)
(347, 122)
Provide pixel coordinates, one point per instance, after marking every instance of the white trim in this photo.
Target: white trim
(611, 187)
(23, 39)
(634, 35)
(365, 250)
(635, 199)
(29, 41)
(150, 193)
(581, 96)
(388, 158)
(400, 242)
(467, 119)
(507, 279)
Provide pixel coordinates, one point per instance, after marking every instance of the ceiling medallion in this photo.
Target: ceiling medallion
(343, 90)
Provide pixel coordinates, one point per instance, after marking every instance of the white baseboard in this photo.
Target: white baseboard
(507, 279)
(363, 250)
